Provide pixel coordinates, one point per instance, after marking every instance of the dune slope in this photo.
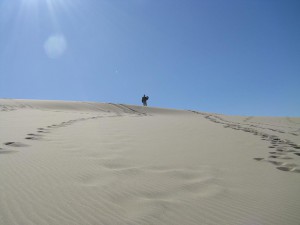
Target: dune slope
(78, 163)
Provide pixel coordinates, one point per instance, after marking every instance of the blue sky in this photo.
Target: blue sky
(235, 57)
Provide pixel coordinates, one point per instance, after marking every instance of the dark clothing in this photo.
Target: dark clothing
(144, 100)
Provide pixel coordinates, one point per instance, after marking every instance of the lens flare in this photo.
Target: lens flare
(36, 12)
(55, 46)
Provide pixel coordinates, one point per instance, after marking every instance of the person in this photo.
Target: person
(144, 100)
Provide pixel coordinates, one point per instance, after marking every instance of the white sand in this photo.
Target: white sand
(68, 163)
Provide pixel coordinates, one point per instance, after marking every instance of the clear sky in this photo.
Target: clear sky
(239, 57)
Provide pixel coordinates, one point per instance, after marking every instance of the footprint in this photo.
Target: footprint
(276, 163)
(32, 138)
(283, 168)
(286, 168)
(8, 143)
(258, 159)
(15, 144)
(289, 167)
(43, 131)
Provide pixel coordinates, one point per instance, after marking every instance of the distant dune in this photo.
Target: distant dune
(87, 163)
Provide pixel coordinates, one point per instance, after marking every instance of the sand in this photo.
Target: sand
(84, 163)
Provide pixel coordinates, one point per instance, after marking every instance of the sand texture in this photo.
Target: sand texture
(84, 163)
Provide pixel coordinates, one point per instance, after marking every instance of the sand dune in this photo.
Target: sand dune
(84, 163)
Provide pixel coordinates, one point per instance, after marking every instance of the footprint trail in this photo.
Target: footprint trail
(284, 148)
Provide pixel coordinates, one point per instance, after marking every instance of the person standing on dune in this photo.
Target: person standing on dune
(144, 100)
